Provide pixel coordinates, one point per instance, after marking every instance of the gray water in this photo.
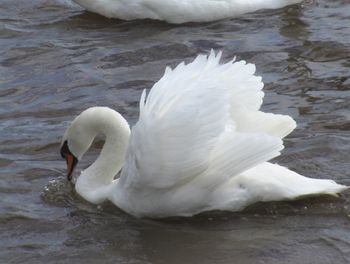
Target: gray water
(56, 60)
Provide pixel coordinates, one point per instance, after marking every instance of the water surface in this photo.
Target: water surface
(56, 60)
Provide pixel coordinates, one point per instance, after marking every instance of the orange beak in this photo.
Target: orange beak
(70, 159)
(71, 162)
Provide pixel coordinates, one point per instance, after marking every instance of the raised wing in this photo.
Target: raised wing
(246, 100)
(182, 122)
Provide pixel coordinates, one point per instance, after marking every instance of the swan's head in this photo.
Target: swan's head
(76, 141)
(85, 127)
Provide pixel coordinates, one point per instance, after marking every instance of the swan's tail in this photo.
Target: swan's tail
(270, 182)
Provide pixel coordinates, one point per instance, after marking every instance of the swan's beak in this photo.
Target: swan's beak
(71, 162)
(70, 159)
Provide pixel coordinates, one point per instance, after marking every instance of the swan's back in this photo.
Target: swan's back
(175, 11)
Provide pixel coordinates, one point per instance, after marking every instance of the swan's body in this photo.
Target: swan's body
(200, 144)
(179, 11)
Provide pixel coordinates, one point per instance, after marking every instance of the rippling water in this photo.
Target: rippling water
(56, 60)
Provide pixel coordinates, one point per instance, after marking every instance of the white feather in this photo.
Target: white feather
(179, 11)
(268, 182)
(185, 113)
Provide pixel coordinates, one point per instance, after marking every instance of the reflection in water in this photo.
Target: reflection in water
(57, 60)
(293, 26)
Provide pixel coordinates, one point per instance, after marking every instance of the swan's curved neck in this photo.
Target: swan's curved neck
(95, 182)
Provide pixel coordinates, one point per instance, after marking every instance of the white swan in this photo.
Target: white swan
(200, 144)
(179, 11)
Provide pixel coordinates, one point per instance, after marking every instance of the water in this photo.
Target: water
(57, 60)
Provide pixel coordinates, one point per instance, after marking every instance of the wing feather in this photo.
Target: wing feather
(184, 118)
(237, 152)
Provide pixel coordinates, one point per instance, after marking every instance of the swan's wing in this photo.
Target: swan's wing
(181, 122)
(246, 100)
(257, 121)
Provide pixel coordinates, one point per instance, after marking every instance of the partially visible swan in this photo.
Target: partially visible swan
(201, 143)
(179, 11)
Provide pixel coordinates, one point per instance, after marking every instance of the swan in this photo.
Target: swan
(200, 144)
(179, 11)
